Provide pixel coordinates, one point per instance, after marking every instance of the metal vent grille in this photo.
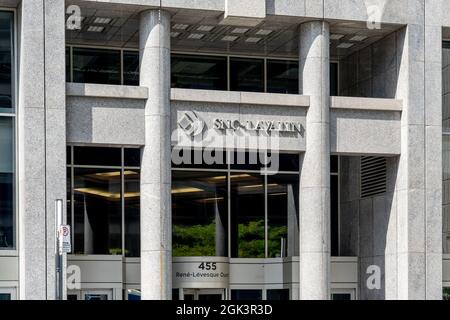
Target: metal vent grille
(373, 176)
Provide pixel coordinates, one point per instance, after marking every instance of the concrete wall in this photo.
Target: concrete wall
(367, 226)
(92, 120)
(365, 132)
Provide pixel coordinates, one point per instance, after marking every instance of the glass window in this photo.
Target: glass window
(334, 79)
(198, 159)
(334, 164)
(246, 294)
(334, 215)
(247, 216)
(282, 214)
(68, 66)
(69, 155)
(5, 296)
(131, 68)
(446, 294)
(6, 183)
(282, 76)
(97, 156)
(175, 294)
(97, 210)
(247, 74)
(132, 157)
(284, 162)
(132, 213)
(95, 296)
(199, 72)
(341, 296)
(199, 214)
(99, 206)
(96, 66)
(278, 294)
(446, 194)
(134, 295)
(6, 61)
(446, 87)
(248, 160)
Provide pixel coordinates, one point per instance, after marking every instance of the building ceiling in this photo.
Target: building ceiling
(202, 31)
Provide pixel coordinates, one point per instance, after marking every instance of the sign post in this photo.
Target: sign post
(63, 246)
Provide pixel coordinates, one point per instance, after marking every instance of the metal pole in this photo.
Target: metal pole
(59, 256)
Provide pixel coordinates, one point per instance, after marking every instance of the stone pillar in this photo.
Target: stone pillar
(156, 224)
(41, 142)
(314, 66)
(419, 177)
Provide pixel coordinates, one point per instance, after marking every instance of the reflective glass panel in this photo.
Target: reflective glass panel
(247, 216)
(131, 68)
(334, 216)
(7, 183)
(247, 74)
(6, 61)
(97, 211)
(283, 220)
(97, 156)
(278, 294)
(199, 214)
(96, 66)
(446, 194)
(282, 76)
(132, 213)
(132, 157)
(199, 72)
(246, 294)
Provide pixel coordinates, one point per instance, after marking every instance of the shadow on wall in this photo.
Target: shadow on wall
(368, 227)
(373, 72)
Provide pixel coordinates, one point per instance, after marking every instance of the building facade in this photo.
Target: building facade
(223, 149)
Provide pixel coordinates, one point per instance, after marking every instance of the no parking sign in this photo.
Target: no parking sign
(64, 239)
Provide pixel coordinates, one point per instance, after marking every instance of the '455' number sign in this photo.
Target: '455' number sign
(208, 266)
(201, 272)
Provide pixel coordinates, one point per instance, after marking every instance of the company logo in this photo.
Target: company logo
(191, 124)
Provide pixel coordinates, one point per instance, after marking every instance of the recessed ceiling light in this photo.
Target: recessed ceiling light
(239, 30)
(205, 28)
(336, 36)
(263, 32)
(174, 34)
(358, 38)
(95, 29)
(180, 26)
(253, 39)
(345, 45)
(101, 20)
(196, 36)
(229, 38)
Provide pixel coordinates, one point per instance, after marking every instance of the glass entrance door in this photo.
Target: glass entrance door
(203, 294)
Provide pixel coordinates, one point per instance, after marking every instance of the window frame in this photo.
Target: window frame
(14, 115)
(12, 291)
(229, 172)
(71, 166)
(188, 53)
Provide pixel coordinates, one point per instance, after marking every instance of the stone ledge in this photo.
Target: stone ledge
(232, 97)
(374, 104)
(106, 91)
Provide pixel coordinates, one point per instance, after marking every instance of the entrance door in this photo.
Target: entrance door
(203, 294)
(343, 294)
(89, 295)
